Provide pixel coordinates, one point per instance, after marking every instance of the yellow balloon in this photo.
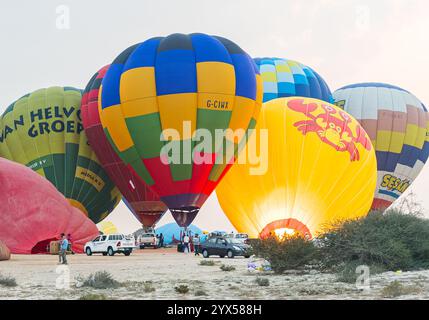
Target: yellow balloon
(320, 167)
(107, 227)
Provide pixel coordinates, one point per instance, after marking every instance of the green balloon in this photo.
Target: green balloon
(43, 130)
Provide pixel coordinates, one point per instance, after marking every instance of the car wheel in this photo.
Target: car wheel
(110, 251)
(88, 251)
(222, 256)
(230, 254)
(247, 257)
(205, 253)
(127, 253)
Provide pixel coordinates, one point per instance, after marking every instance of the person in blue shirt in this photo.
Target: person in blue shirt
(64, 244)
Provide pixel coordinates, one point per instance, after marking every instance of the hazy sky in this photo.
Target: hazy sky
(346, 41)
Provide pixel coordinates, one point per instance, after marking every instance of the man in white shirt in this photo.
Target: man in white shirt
(186, 243)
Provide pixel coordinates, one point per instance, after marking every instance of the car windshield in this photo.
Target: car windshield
(241, 236)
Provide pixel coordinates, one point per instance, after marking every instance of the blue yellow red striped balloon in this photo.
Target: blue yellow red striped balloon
(397, 123)
(288, 78)
(180, 82)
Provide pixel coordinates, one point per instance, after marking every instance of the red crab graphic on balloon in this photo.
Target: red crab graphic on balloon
(330, 129)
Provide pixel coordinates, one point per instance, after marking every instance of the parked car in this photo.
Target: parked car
(224, 246)
(242, 237)
(110, 244)
(148, 239)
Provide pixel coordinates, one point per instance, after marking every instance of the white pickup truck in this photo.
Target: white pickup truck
(148, 239)
(110, 244)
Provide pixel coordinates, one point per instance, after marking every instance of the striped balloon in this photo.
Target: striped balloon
(43, 130)
(179, 83)
(288, 78)
(398, 124)
(143, 203)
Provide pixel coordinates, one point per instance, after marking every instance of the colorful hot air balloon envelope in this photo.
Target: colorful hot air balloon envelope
(397, 123)
(43, 131)
(140, 199)
(288, 78)
(157, 94)
(108, 227)
(33, 213)
(319, 166)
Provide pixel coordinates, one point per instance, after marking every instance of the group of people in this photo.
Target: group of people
(65, 244)
(191, 243)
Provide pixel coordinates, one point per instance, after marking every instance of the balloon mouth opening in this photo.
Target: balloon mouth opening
(184, 215)
(190, 209)
(283, 228)
(42, 247)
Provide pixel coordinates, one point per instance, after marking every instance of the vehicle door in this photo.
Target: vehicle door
(94, 243)
(221, 246)
(102, 244)
(210, 245)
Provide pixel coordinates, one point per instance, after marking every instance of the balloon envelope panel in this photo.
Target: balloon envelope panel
(33, 212)
(318, 166)
(179, 83)
(43, 131)
(140, 199)
(397, 123)
(288, 78)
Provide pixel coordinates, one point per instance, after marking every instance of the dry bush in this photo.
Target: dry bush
(100, 280)
(289, 253)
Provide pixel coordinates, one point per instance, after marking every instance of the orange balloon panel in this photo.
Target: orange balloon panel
(317, 165)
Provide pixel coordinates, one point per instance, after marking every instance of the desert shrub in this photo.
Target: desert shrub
(100, 280)
(93, 296)
(207, 263)
(148, 286)
(288, 253)
(392, 241)
(227, 268)
(7, 281)
(396, 289)
(182, 289)
(200, 293)
(262, 282)
(347, 272)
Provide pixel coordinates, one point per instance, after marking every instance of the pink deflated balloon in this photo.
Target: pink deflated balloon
(33, 213)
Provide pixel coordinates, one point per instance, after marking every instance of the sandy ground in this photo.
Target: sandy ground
(37, 279)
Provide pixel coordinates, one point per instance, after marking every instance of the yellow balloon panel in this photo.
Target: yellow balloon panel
(107, 227)
(316, 166)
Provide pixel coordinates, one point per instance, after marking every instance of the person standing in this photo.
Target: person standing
(186, 243)
(64, 244)
(191, 241)
(69, 239)
(197, 244)
(161, 240)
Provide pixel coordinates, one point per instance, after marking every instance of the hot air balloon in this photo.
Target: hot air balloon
(288, 78)
(33, 213)
(162, 97)
(43, 131)
(319, 166)
(107, 227)
(398, 124)
(140, 199)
